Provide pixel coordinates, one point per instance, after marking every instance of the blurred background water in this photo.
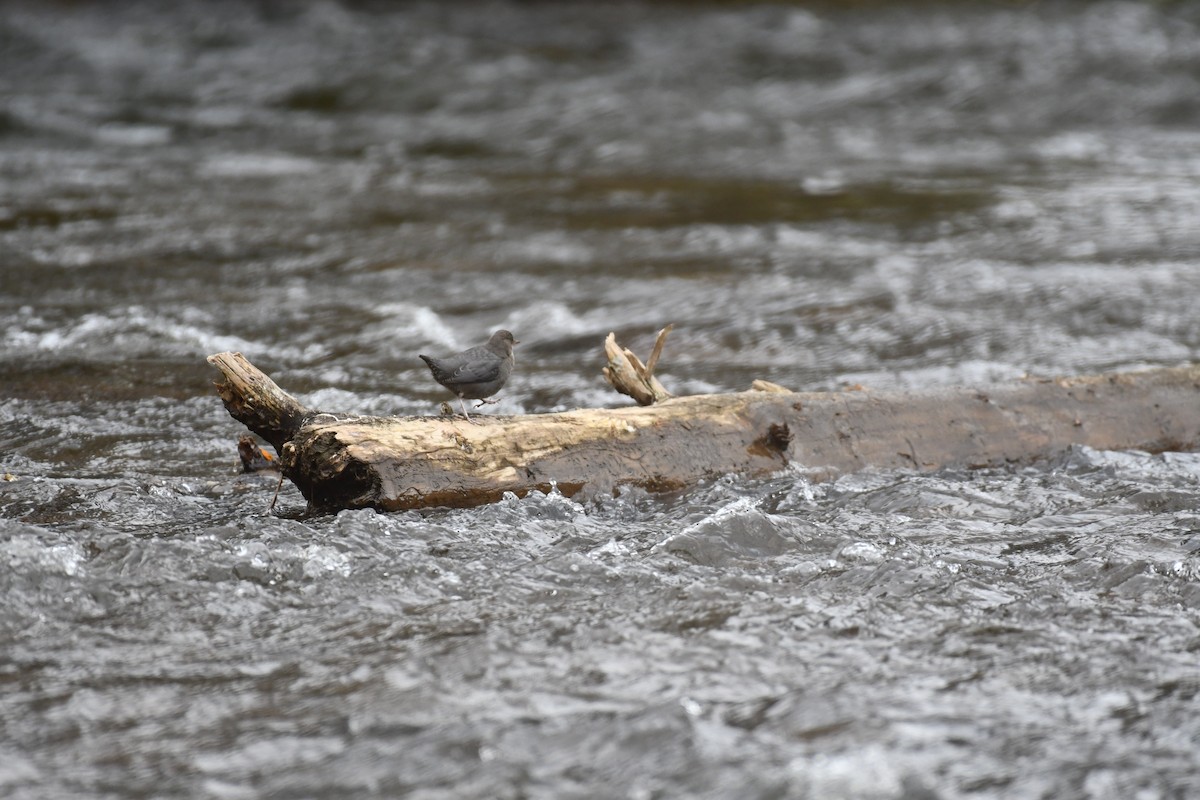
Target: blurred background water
(893, 195)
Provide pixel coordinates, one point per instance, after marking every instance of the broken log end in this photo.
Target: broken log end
(256, 401)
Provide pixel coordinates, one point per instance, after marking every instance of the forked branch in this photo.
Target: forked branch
(628, 375)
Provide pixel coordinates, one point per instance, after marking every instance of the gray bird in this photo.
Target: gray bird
(477, 373)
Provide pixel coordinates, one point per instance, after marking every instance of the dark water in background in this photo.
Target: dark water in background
(820, 197)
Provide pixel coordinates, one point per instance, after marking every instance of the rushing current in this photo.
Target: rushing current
(892, 195)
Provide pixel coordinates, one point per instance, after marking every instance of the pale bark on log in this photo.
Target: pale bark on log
(342, 461)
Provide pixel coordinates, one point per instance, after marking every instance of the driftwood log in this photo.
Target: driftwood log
(343, 461)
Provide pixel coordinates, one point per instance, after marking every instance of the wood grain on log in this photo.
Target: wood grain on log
(341, 461)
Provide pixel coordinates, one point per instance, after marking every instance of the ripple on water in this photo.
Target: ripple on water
(740, 532)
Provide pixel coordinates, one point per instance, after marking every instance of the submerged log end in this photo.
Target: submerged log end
(256, 401)
(328, 474)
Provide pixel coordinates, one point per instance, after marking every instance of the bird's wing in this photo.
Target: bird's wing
(481, 371)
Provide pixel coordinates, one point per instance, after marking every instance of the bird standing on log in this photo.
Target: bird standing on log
(476, 373)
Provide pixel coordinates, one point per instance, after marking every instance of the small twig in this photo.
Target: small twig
(658, 348)
(278, 486)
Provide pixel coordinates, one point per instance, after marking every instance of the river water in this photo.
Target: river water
(886, 195)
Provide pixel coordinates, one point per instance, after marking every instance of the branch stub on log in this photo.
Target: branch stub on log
(627, 374)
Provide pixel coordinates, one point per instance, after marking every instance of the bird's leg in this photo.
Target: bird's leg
(486, 402)
(462, 403)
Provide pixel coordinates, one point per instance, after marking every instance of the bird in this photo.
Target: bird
(476, 373)
(254, 458)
